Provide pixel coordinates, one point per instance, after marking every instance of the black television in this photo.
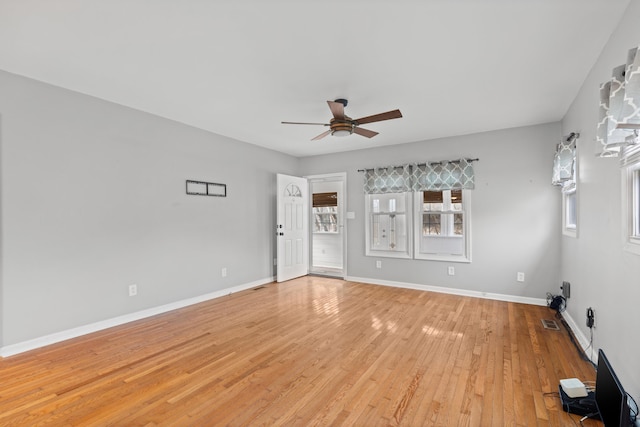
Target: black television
(611, 399)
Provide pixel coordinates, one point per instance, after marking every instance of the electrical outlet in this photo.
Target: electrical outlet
(451, 271)
(133, 290)
(223, 272)
(378, 264)
(566, 289)
(520, 276)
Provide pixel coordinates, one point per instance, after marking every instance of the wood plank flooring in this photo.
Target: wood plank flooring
(311, 351)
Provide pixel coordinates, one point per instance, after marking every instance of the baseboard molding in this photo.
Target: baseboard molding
(580, 336)
(453, 291)
(43, 341)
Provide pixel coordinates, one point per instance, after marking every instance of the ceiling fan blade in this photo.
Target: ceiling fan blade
(365, 132)
(395, 114)
(322, 135)
(304, 123)
(337, 109)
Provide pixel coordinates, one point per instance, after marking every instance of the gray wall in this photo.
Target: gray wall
(513, 225)
(93, 199)
(602, 274)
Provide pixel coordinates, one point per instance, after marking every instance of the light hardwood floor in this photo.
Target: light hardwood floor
(311, 351)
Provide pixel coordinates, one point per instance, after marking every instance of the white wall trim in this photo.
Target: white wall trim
(453, 291)
(583, 340)
(35, 343)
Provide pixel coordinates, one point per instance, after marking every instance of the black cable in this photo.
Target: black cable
(582, 354)
(634, 410)
(559, 303)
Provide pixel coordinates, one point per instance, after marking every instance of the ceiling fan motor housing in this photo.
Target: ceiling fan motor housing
(341, 127)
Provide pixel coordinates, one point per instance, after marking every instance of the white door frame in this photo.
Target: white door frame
(342, 213)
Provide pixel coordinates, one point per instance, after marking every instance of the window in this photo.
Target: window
(325, 212)
(419, 210)
(569, 212)
(564, 176)
(388, 220)
(631, 200)
(442, 231)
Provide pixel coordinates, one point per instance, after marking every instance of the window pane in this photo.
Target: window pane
(388, 220)
(570, 210)
(325, 199)
(433, 207)
(431, 224)
(458, 224)
(456, 196)
(443, 225)
(432, 196)
(389, 232)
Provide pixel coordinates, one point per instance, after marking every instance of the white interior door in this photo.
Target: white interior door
(293, 227)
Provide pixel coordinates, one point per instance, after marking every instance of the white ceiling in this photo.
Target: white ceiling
(240, 67)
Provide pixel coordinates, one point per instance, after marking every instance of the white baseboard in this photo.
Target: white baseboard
(32, 344)
(580, 336)
(453, 291)
(35, 343)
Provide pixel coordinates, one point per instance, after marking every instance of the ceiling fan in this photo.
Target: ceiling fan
(343, 125)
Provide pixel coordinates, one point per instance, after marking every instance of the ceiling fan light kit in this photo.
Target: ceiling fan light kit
(343, 125)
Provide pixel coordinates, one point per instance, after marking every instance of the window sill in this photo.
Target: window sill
(388, 254)
(444, 257)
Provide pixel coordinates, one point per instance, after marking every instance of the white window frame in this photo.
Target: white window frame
(369, 215)
(631, 203)
(466, 230)
(569, 221)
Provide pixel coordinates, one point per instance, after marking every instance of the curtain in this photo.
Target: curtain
(453, 175)
(564, 162)
(450, 175)
(604, 149)
(630, 111)
(391, 179)
(619, 111)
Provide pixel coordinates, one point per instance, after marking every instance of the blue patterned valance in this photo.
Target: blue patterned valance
(453, 175)
(391, 179)
(435, 176)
